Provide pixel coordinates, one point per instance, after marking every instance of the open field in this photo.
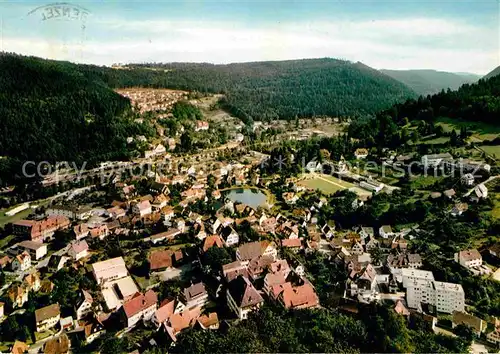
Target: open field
(325, 183)
(423, 182)
(4, 219)
(491, 149)
(482, 131)
(436, 141)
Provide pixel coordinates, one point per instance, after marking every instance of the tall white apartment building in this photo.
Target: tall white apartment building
(408, 275)
(446, 297)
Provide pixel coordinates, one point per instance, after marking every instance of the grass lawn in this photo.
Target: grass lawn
(423, 182)
(4, 241)
(496, 210)
(491, 149)
(327, 184)
(322, 185)
(4, 219)
(482, 131)
(441, 140)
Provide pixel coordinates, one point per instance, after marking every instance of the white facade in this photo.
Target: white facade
(22, 262)
(231, 239)
(242, 313)
(446, 297)
(146, 314)
(84, 309)
(372, 186)
(36, 249)
(48, 323)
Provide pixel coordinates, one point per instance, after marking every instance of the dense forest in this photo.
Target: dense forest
(471, 102)
(426, 82)
(281, 89)
(478, 102)
(51, 111)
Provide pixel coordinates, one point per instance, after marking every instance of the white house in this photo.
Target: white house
(242, 297)
(481, 191)
(469, 258)
(84, 305)
(468, 179)
(372, 185)
(142, 208)
(47, 317)
(446, 297)
(109, 269)
(78, 250)
(436, 159)
(195, 296)
(141, 306)
(36, 249)
(361, 153)
(21, 262)
(229, 236)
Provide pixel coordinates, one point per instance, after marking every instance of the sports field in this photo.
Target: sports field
(325, 183)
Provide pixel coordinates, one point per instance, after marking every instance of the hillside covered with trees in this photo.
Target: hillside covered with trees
(426, 82)
(278, 89)
(52, 111)
(492, 73)
(478, 102)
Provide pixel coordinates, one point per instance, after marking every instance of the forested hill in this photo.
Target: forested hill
(475, 102)
(278, 89)
(494, 72)
(53, 111)
(426, 82)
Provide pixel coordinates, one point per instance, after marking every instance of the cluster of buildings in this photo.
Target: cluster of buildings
(153, 100)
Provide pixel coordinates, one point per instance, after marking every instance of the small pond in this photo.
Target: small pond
(250, 196)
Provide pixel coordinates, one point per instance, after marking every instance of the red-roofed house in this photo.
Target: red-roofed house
(212, 241)
(163, 259)
(292, 243)
(78, 250)
(141, 306)
(298, 297)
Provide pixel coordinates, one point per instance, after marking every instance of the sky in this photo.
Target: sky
(448, 35)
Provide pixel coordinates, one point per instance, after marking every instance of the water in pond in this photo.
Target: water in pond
(249, 196)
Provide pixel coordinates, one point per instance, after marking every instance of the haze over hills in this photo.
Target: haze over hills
(492, 73)
(425, 82)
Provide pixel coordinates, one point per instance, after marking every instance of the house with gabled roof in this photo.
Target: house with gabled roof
(18, 295)
(251, 250)
(32, 281)
(140, 306)
(84, 305)
(47, 317)
(212, 241)
(78, 250)
(229, 236)
(21, 262)
(242, 297)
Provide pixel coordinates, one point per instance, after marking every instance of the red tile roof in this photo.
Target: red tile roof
(160, 259)
(211, 241)
(139, 302)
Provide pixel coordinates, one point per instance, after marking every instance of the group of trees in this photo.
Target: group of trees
(52, 112)
(376, 329)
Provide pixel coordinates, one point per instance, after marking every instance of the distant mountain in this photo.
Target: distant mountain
(425, 82)
(286, 89)
(492, 73)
